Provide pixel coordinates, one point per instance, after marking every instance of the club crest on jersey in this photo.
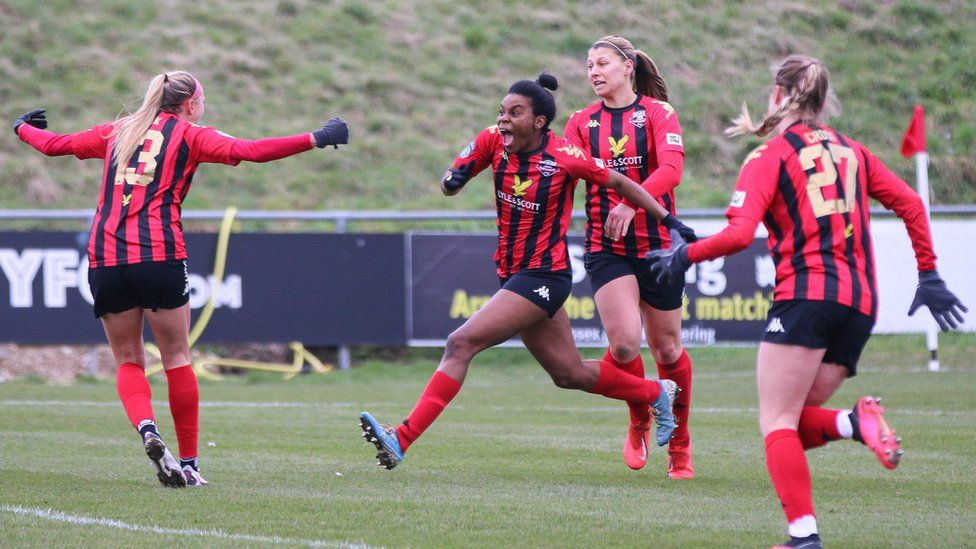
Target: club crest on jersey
(593, 124)
(617, 147)
(548, 167)
(572, 150)
(638, 119)
(467, 150)
(519, 187)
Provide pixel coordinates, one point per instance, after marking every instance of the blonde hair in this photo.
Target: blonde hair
(167, 91)
(647, 79)
(806, 82)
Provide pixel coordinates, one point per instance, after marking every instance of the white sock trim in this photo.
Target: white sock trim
(844, 426)
(803, 526)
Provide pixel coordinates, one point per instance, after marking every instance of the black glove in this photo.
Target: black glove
(335, 132)
(670, 265)
(943, 304)
(673, 224)
(34, 118)
(457, 177)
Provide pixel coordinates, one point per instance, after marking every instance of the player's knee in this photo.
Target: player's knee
(460, 346)
(625, 351)
(666, 352)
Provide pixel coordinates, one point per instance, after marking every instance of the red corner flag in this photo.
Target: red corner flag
(914, 141)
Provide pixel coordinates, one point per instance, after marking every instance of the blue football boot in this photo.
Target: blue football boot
(385, 439)
(662, 410)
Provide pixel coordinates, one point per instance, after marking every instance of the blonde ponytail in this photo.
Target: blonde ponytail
(806, 82)
(167, 91)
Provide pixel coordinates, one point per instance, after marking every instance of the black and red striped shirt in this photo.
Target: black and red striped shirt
(533, 197)
(810, 188)
(631, 140)
(138, 214)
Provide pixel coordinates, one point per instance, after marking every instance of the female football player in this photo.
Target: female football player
(810, 186)
(534, 174)
(136, 251)
(635, 131)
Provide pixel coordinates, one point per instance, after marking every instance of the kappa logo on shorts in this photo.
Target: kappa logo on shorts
(186, 279)
(543, 292)
(775, 326)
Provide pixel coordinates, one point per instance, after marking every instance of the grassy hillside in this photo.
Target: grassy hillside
(417, 79)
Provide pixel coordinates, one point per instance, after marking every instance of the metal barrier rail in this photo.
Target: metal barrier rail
(342, 217)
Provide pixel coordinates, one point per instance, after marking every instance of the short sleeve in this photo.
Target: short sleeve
(666, 128)
(573, 130)
(207, 144)
(479, 151)
(756, 186)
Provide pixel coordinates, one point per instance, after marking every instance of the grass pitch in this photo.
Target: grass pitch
(513, 461)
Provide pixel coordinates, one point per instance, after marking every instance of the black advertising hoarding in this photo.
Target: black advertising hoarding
(334, 289)
(452, 275)
(320, 289)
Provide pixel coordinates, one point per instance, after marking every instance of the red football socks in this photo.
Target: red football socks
(640, 412)
(134, 392)
(787, 464)
(184, 404)
(818, 426)
(680, 373)
(439, 392)
(614, 383)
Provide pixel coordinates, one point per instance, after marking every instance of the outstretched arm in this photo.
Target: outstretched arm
(30, 128)
(210, 145)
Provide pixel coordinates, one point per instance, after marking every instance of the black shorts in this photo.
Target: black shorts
(840, 329)
(547, 289)
(604, 267)
(151, 285)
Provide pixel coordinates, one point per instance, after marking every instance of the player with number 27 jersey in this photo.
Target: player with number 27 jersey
(810, 188)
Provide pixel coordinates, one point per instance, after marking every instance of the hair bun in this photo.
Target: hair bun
(547, 81)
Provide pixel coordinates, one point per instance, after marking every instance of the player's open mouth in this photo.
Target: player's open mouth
(598, 83)
(507, 137)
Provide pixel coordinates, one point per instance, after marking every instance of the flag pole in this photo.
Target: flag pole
(922, 181)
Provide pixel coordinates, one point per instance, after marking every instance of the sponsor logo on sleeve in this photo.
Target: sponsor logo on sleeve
(599, 162)
(674, 139)
(738, 199)
(467, 150)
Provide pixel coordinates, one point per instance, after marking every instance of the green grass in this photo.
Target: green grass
(417, 79)
(513, 461)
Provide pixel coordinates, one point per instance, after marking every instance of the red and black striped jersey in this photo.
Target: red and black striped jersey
(533, 197)
(138, 214)
(810, 188)
(628, 139)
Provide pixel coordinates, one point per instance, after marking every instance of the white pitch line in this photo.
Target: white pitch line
(203, 404)
(58, 516)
